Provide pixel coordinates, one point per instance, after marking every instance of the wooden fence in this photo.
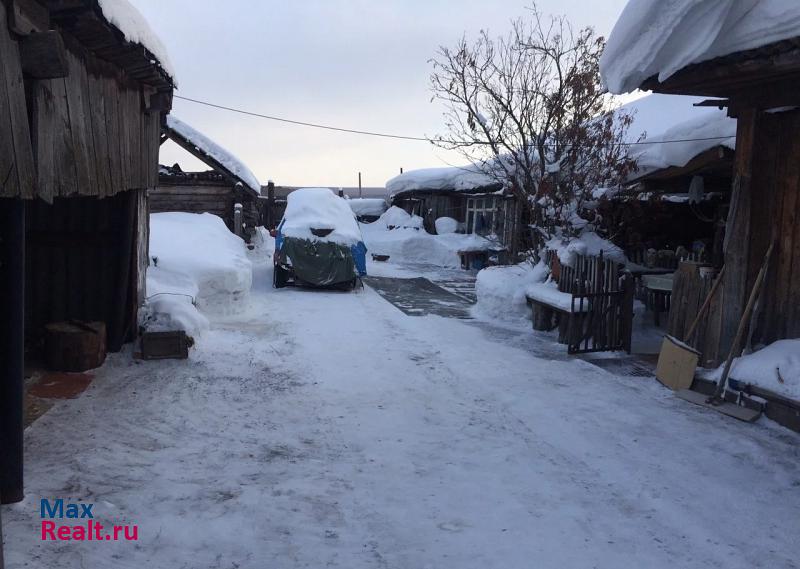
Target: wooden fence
(602, 303)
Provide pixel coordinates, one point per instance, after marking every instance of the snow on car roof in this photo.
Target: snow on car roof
(319, 208)
(660, 37)
(229, 162)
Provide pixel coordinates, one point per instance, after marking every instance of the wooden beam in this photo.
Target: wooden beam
(28, 16)
(44, 55)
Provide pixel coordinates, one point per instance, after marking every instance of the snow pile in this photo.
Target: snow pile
(194, 257)
(501, 292)
(231, 163)
(127, 19)
(660, 37)
(406, 245)
(446, 225)
(465, 178)
(396, 217)
(588, 244)
(320, 208)
(675, 118)
(776, 368)
(367, 206)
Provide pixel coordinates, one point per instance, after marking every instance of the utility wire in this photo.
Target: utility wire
(418, 138)
(301, 123)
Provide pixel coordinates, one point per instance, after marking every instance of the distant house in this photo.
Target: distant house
(229, 182)
(751, 66)
(81, 109)
(277, 204)
(476, 201)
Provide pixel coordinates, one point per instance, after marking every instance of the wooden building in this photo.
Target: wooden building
(673, 208)
(80, 116)
(476, 201)
(218, 191)
(759, 87)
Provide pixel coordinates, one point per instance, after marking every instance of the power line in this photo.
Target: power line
(301, 123)
(417, 138)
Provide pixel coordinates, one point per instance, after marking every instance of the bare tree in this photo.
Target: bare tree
(529, 108)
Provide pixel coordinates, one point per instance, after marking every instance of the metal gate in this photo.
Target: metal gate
(602, 305)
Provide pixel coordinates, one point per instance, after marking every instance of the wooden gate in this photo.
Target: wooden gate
(602, 305)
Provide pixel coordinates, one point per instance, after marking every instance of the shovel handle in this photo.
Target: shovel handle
(705, 306)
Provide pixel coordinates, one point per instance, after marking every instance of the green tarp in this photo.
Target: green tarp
(318, 262)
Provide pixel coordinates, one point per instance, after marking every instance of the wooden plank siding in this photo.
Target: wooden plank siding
(17, 173)
(91, 135)
(765, 203)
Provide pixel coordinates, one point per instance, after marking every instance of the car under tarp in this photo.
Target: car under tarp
(318, 263)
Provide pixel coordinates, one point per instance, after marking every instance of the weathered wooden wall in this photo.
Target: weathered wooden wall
(197, 197)
(765, 202)
(17, 173)
(206, 197)
(91, 136)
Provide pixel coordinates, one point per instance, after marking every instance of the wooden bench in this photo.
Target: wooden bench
(551, 308)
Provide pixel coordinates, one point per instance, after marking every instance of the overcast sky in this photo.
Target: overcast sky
(359, 64)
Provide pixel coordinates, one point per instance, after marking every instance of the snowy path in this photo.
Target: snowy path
(332, 430)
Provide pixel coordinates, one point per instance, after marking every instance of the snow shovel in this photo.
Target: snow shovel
(717, 401)
(677, 361)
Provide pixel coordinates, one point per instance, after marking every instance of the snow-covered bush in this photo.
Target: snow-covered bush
(197, 266)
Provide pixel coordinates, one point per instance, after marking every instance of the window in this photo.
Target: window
(482, 215)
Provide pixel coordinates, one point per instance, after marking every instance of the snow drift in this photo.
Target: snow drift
(776, 368)
(407, 243)
(197, 266)
(660, 37)
(501, 292)
(320, 208)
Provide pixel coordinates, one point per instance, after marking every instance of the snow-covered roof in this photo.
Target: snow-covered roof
(367, 206)
(211, 152)
(459, 179)
(319, 208)
(691, 131)
(660, 37)
(127, 19)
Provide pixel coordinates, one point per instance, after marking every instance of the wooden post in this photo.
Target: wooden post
(271, 221)
(237, 219)
(359, 184)
(12, 347)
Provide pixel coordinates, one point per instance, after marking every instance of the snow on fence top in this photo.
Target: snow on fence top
(660, 37)
(674, 118)
(127, 19)
(460, 179)
(319, 208)
(205, 145)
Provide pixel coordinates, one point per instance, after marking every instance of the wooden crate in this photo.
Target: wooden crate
(165, 345)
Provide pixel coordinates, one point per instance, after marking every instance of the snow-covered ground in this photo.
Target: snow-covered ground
(326, 429)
